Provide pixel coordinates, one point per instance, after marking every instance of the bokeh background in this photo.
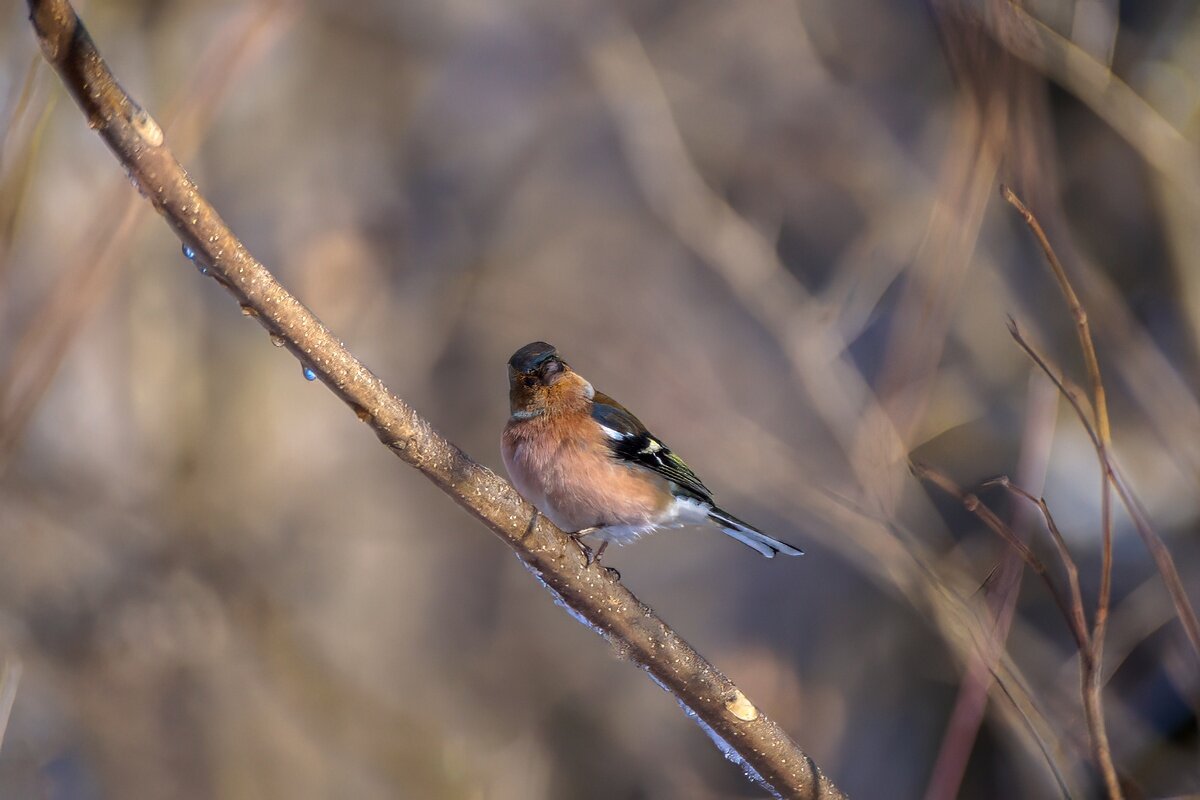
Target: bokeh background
(772, 229)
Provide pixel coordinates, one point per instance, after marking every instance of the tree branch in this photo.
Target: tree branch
(589, 593)
(1098, 431)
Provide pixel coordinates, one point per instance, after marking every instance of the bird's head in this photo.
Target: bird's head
(539, 380)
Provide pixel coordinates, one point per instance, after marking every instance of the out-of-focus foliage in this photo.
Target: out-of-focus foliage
(757, 224)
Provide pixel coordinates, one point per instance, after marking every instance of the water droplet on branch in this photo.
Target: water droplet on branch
(146, 127)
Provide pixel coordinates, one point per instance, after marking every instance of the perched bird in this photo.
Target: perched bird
(593, 469)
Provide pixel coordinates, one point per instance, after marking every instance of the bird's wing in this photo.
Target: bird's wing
(631, 442)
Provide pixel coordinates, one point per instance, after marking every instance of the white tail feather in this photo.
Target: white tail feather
(751, 536)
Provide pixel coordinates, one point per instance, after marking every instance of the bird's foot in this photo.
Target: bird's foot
(596, 560)
(593, 557)
(577, 537)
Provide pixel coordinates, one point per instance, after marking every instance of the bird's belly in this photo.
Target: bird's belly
(610, 495)
(578, 488)
(678, 513)
(621, 534)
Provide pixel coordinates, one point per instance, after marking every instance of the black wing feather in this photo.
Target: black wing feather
(636, 445)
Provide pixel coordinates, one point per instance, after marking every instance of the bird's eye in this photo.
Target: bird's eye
(529, 380)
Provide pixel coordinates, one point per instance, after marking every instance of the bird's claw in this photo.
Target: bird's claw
(593, 556)
(588, 554)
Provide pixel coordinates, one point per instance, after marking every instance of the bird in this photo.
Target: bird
(593, 469)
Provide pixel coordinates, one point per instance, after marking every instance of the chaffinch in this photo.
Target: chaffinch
(593, 469)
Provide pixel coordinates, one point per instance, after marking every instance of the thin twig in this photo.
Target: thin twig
(1154, 543)
(970, 704)
(1099, 421)
(961, 623)
(1082, 328)
(1090, 676)
(766, 752)
(972, 503)
(1161, 555)
(1089, 673)
(902, 563)
(1101, 435)
(1077, 620)
(1065, 385)
(1033, 731)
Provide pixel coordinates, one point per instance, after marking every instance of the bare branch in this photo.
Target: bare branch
(588, 592)
(1089, 673)
(1141, 521)
(1099, 422)
(972, 503)
(1082, 328)
(1100, 432)
(1076, 618)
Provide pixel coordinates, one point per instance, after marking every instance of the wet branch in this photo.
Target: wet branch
(767, 753)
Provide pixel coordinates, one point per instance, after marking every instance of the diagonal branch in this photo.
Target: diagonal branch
(746, 735)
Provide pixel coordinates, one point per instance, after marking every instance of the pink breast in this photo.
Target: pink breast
(576, 483)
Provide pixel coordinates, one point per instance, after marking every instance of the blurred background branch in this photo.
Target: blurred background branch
(10, 677)
(772, 228)
(105, 246)
(744, 734)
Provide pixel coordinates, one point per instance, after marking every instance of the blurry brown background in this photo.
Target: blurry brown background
(772, 229)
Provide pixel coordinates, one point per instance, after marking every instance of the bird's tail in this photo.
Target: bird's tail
(751, 536)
